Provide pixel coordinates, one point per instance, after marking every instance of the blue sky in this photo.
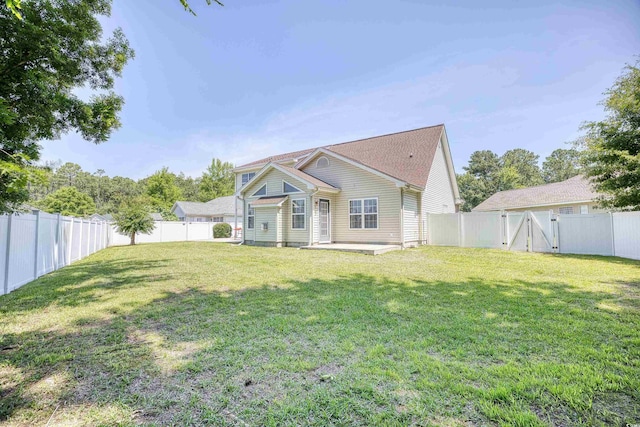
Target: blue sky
(256, 78)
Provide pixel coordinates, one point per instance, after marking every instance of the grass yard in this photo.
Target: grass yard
(211, 334)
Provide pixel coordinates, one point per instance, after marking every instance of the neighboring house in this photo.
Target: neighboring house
(573, 196)
(374, 190)
(156, 216)
(217, 210)
(98, 217)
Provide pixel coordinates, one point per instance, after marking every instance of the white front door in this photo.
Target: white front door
(325, 221)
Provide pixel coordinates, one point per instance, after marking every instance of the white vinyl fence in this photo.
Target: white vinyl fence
(609, 234)
(168, 231)
(35, 244)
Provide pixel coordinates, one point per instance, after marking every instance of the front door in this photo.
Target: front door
(325, 221)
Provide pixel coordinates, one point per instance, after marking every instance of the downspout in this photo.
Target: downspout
(402, 217)
(420, 220)
(311, 216)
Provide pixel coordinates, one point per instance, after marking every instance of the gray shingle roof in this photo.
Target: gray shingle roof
(220, 206)
(573, 190)
(406, 156)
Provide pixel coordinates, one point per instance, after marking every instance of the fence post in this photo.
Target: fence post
(70, 241)
(56, 261)
(35, 263)
(186, 237)
(613, 237)
(460, 230)
(7, 256)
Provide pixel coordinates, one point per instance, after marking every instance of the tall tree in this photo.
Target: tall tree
(525, 164)
(612, 145)
(217, 181)
(561, 165)
(68, 201)
(189, 187)
(55, 47)
(162, 189)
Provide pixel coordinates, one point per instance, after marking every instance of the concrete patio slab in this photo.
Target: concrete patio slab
(354, 247)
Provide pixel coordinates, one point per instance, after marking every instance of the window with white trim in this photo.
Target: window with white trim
(246, 177)
(584, 209)
(363, 213)
(262, 191)
(566, 210)
(298, 214)
(217, 219)
(288, 188)
(322, 162)
(251, 217)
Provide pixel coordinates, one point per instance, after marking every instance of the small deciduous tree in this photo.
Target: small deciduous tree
(162, 189)
(68, 201)
(133, 218)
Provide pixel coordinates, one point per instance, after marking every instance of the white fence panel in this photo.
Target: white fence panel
(585, 234)
(444, 229)
(35, 244)
(482, 230)
(200, 231)
(516, 225)
(22, 251)
(626, 232)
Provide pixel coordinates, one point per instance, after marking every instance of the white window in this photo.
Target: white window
(262, 191)
(298, 214)
(322, 162)
(288, 188)
(363, 213)
(584, 209)
(246, 177)
(251, 217)
(566, 210)
(217, 219)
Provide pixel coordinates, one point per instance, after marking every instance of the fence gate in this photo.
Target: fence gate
(530, 231)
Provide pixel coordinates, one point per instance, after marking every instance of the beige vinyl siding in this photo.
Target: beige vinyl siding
(438, 196)
(239, 177)
(294, 236)
(280, 224)
(274, 179)
(556, 209)
(411, 217)
(270, 216)
(356, 183)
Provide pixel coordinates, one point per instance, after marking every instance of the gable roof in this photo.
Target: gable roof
(220, 206)
(406, 156)
(311, 181)
(573, 190)
(156, 216)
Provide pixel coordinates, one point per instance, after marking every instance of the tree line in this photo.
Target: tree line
(68, 189)
(487, 172)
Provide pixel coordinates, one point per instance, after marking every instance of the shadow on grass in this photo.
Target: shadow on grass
(357, 350)
(77, 284)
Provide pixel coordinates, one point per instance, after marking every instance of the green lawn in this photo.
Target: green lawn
(205, 333)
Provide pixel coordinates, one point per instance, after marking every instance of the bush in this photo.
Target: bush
(221, 230)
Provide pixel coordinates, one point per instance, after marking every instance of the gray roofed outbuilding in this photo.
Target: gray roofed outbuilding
(573, 190)
(222, 206)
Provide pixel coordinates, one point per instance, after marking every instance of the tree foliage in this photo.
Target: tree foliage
(561, 165)
(55, 47)
(612, 145)
(134, 218)
(161, 187)
(68, 201)
(217, 181)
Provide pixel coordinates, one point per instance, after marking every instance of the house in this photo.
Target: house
(374, 190)
(99, 217)
(156, 216)
(217, 210)
(573, 196)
